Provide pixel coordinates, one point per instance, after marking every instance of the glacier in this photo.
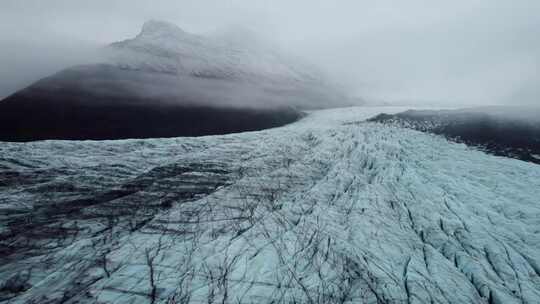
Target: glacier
(329, 209)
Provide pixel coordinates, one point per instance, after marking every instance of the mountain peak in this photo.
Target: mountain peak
(157, 27)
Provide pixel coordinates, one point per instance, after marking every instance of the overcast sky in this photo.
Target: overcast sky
(410, 51)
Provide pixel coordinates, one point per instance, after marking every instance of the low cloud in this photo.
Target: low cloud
(460, 52)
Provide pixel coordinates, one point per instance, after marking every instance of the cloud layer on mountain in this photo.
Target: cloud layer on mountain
(459, 52)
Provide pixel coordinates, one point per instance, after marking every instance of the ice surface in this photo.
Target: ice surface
(330, 209)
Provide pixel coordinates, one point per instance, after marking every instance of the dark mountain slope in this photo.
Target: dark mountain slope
(504, 131)
(165, 83)
(110, 110)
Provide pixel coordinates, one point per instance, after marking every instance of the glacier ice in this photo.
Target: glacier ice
(330, 209)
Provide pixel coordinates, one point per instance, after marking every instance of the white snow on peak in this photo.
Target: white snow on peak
(234, 54)
(162, 28)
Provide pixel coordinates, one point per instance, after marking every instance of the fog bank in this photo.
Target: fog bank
(475, 52)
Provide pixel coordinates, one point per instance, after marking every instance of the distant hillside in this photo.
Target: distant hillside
(504, 131)
(166, 82)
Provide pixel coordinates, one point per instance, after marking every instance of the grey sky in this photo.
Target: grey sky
(414, 51)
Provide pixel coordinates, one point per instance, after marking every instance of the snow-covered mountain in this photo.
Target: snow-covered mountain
(232, 66)
(234, 54)
(329, 209)
(178, 84)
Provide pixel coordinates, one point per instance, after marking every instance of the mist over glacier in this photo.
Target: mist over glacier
(317, 152)
(460, 53)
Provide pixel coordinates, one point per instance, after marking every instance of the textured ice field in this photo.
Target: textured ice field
(329, 209)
